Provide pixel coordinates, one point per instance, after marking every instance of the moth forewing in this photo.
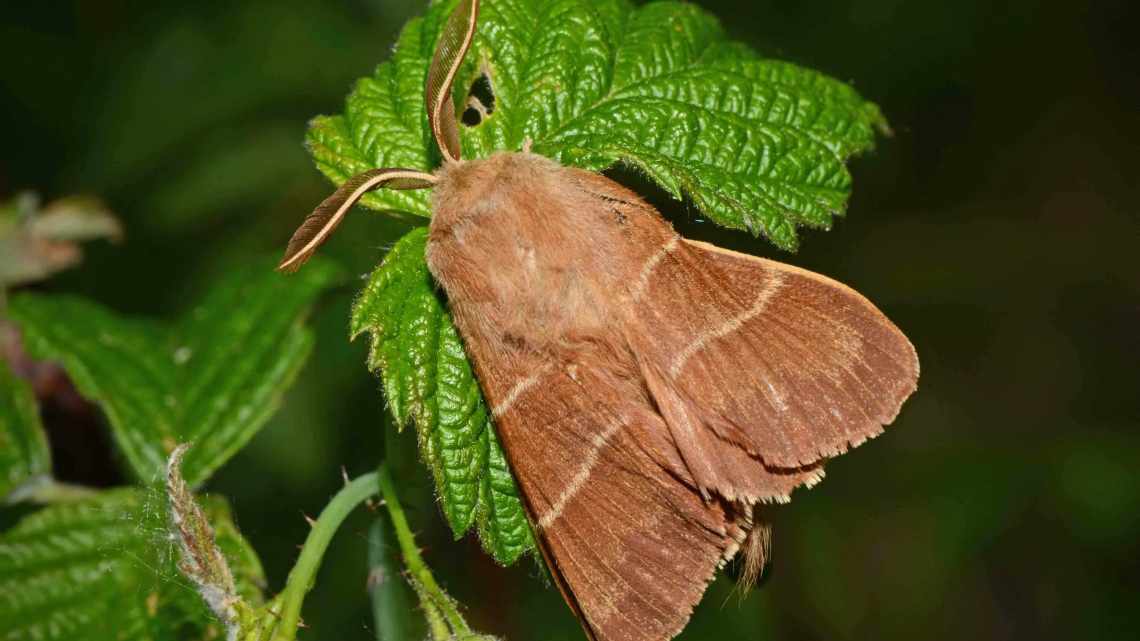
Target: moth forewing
(636, 495)
(791, 366)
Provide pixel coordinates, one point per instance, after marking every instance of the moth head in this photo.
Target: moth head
(454, 42)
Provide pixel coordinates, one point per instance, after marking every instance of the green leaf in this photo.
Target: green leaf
(213, 378)
(113, 547)
(755, 143)
(25, 459)
(384, 125)
(428, 382)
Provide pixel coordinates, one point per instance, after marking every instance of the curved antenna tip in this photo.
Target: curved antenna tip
(454, 42)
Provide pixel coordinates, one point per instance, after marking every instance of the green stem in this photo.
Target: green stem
(391, 602)
(302, 575)
(435, 602)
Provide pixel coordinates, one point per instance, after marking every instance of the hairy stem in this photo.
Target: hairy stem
(444, 620)
(443, 617)
(301, 577)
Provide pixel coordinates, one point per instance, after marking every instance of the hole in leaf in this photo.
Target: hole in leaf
(482, 89)
(472, 116)
(480, 101)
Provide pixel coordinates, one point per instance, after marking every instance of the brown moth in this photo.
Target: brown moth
(649, 391)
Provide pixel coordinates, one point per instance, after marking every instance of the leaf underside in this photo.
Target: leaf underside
(750, 142)
(213, 378)
(114, 546)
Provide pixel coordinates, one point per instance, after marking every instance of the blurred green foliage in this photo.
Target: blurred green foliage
(998, 228)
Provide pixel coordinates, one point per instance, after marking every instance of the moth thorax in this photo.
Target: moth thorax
(509, 232)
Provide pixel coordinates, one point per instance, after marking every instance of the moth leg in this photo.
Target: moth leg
(756, 552)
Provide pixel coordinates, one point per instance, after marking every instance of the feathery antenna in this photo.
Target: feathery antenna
(453, 45)
(324, 219)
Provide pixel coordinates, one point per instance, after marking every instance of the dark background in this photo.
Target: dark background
(998, 228)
